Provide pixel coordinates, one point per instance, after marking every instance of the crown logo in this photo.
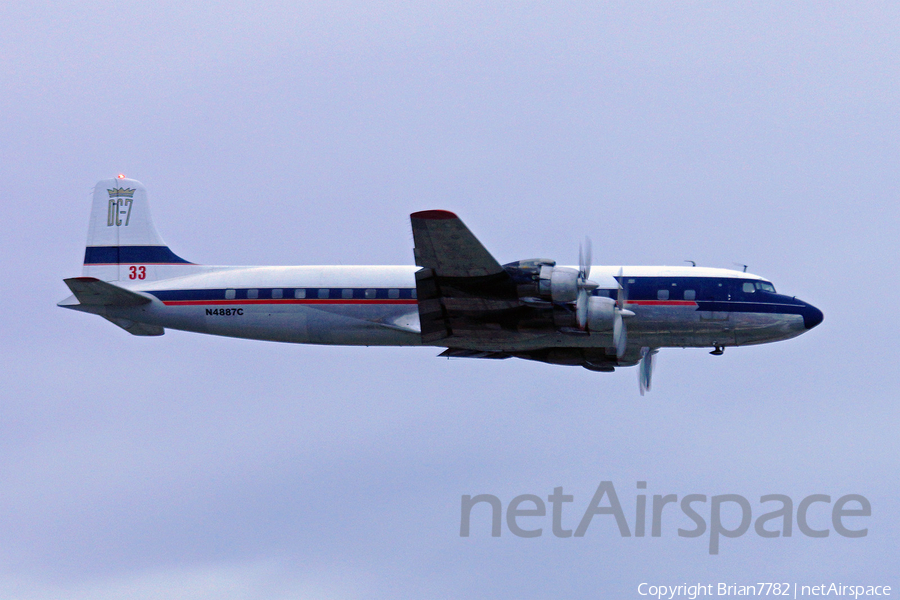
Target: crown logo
(121, 193)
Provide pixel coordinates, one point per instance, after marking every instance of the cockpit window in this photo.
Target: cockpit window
(749, 288)
(765, 286)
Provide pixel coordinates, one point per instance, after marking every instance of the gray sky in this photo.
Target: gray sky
(197, 467)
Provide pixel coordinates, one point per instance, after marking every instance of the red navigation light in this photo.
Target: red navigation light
(121, 176)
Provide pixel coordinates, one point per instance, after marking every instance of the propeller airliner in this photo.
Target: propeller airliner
(457, 297)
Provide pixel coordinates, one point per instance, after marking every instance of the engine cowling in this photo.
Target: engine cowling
(601, 313)
(559, 283)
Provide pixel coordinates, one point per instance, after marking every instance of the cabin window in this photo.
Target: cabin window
(253, 294)
(370, 293)
(346, 293)
(229, 294)
(278, 293)
(300, 293)
(393, 293)
(662, 295)
(414, 293)
(323, 293)
(690, 294)
(749, 288)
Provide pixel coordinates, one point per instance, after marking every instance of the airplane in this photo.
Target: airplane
(457, 297)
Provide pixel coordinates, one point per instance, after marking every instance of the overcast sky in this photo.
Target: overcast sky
(189, 466)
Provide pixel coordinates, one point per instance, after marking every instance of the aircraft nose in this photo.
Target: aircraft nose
(812, 316)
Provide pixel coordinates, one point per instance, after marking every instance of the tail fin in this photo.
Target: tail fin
(122, 242)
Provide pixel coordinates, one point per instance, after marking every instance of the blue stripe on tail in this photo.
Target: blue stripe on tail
(106, 255)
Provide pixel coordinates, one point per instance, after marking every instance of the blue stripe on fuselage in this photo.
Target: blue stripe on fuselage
(751, 307)
(644, 290)
(408, 293)
(288, 293)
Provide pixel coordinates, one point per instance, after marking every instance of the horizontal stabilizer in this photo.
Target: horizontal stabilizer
(101, 298)
(90, 291)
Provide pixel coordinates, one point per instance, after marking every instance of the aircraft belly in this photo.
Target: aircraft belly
(345, 325)
(759, 328)
(363, 325)
(657, 326)
(652, 326)
(674, 327)
(181, 318)
(398, 325)
(678, 327)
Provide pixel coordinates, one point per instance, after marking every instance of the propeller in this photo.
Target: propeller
(620, 333)
(645, 370)
(585, 286)
(584, 259)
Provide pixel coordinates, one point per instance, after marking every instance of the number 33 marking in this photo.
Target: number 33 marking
(137, 272)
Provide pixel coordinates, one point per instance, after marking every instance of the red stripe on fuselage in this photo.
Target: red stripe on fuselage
(662, 302)
(375, 301)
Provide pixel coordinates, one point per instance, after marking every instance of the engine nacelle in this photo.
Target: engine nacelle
(559, 283)
(601, 313)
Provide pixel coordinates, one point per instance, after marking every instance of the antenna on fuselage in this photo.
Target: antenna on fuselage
(740, 265)
(693, 263)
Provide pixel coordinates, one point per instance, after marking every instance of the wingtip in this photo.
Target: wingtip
(433, 215)
(68, 302)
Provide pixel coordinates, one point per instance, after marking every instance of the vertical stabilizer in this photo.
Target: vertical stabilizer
(123, 243)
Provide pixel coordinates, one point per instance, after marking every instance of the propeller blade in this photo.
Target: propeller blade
(581, 262)
(645, 370)
(622, 296)
(620, 335)
(585, 287)
(581, 308)
(584, 258)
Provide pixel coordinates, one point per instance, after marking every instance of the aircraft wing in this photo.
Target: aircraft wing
(463, 292)
(445, 245)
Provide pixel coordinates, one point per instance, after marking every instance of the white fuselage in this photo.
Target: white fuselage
(376, 305)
